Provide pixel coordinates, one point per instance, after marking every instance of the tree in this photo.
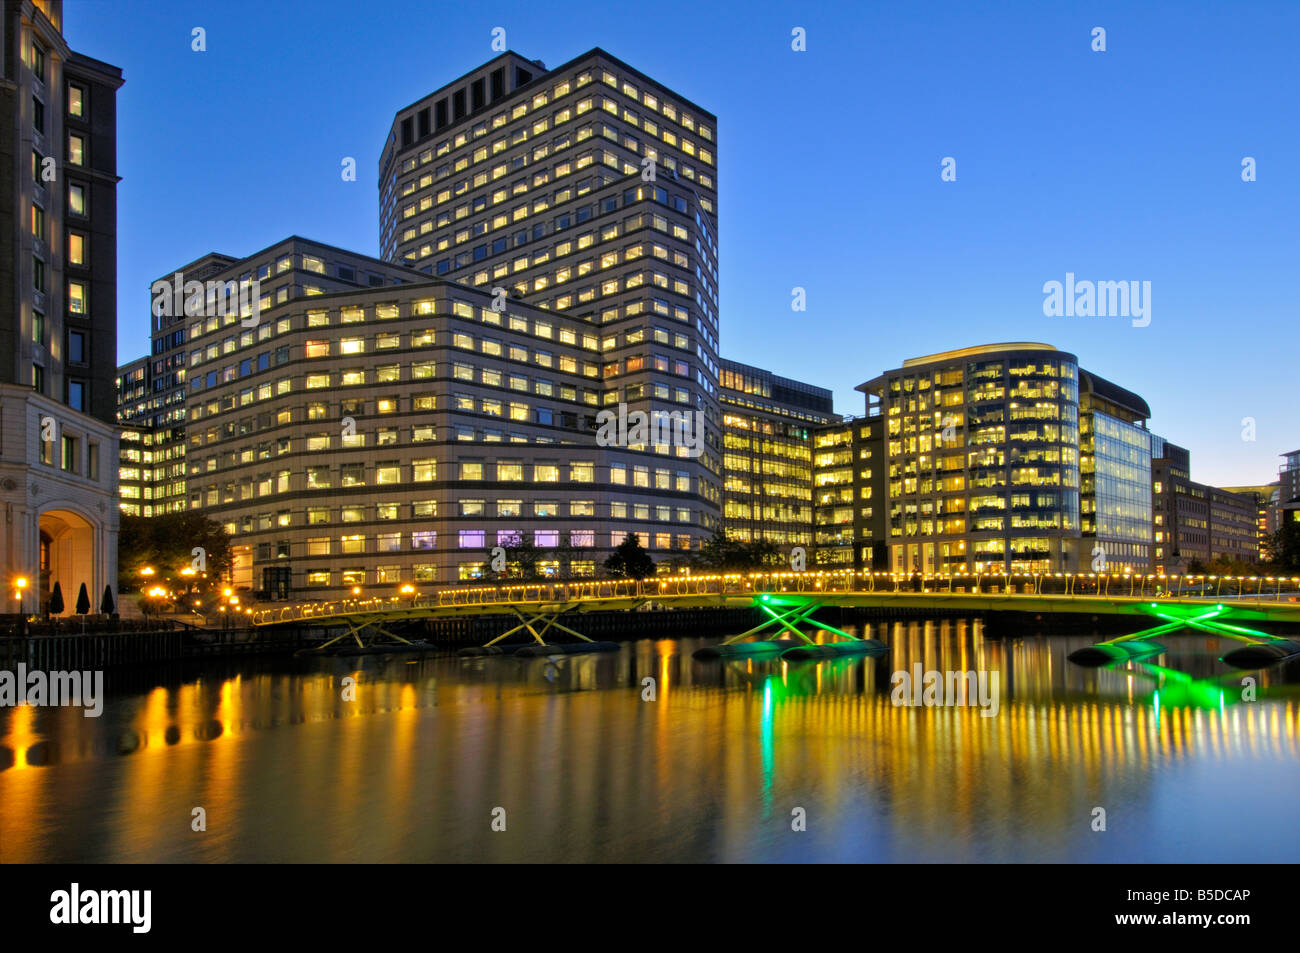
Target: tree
(723, 554)
(55, 605)
(1284, 545)
(1223, 566)
(565, 554)
(166, 544)
(630, 560)
(522, 557)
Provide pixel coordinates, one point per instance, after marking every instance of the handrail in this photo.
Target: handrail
(564, 592)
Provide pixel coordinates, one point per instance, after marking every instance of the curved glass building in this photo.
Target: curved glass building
(1009, 458)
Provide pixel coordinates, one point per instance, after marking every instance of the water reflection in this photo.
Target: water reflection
(287, 768)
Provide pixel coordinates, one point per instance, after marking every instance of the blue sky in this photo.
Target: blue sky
(1122, 165)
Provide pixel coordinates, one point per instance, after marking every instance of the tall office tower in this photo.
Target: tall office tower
(767, 456)
(985, 451)
(588, 191)
(58, 312)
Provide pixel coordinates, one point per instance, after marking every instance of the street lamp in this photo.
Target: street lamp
(20, 589)
(188, 573)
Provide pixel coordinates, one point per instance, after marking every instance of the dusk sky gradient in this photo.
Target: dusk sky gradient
(1122, 165)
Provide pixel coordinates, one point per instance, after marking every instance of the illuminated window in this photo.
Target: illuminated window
(76, 297)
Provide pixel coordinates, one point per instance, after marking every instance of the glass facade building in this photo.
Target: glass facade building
(1117, 491)
(1115, 454)
(986, 464)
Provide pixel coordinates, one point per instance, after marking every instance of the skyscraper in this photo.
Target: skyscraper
(58, 315)
(588, 190)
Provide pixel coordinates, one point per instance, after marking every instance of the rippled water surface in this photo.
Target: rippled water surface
(719, 766)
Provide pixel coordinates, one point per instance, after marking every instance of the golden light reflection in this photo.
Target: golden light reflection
(270, 752)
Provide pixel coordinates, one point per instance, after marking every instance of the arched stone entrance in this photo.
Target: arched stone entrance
(69, 555)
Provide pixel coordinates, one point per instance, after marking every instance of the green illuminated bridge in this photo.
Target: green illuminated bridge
(1212, 604)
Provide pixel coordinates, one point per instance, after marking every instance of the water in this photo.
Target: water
(714, 769)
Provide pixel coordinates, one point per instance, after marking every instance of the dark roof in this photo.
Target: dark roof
(1113, 393)
(548, 76)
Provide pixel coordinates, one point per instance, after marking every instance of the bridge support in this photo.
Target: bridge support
(372, 631)
(1260, 648)
(801, 646)
(539, 646)
(785, 619)
(552, 619)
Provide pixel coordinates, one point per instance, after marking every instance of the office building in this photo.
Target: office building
(1114, 477)
(767, 488)
(58, 313)
(850, 498)
(1289, 477)
(1266, 498)
(135, 441)
(590, 191)
(152, 390)
(399, 431)
(549, 242)
(1010, 458)
(1195, 524)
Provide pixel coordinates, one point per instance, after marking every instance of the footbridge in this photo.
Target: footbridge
(1219, 604)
